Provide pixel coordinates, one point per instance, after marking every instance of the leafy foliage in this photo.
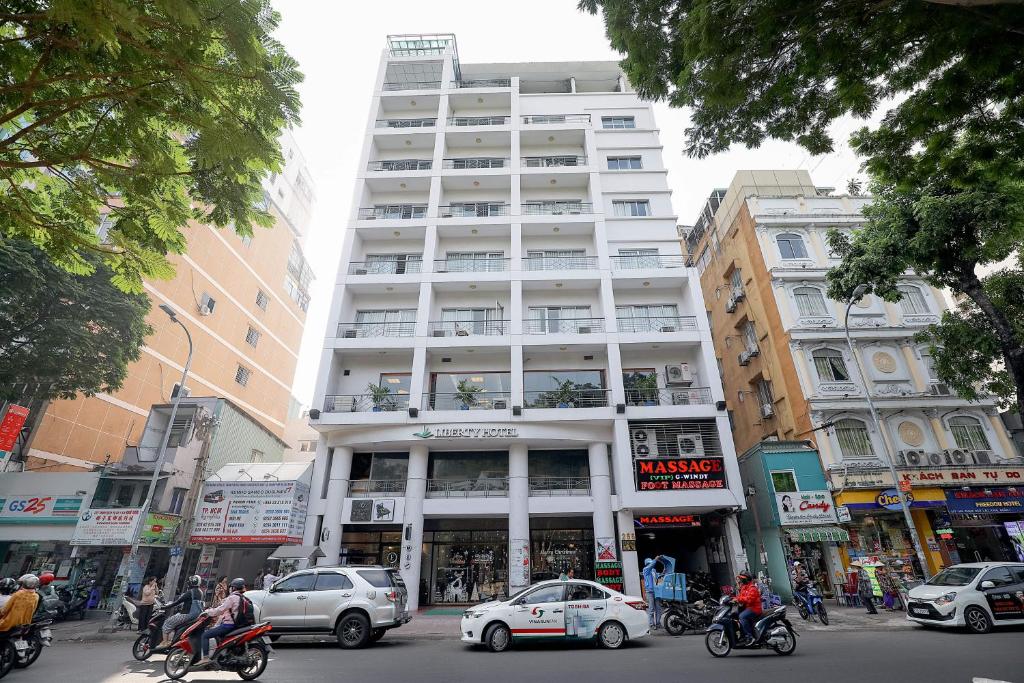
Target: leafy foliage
(60, 333)
(154, 111)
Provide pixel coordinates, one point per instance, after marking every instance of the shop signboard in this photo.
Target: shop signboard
(805, 507)
(843, 514)
(159, 529)
(1015, 530)
(10, 428)
(666, 521)
(942, 475)
(675, 474)
(373, 511)
(106, 526)
(890, 499)
(604, 549)
(609, 574)
(267, 512)
(998, 500)
(37, 509)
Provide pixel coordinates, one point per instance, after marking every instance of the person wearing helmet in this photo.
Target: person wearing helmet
(801, 580)
(7, 588)
(189, 604)
(19, 609)
(225, 614)
(750, 599)
(47, 593)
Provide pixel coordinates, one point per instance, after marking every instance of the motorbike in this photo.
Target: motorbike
(148, 642)
(36, 635)
(680, 617)
(12, 648)
(809, 603)
(128, 615)
(244, 651)
(74, 600)
(772, 631)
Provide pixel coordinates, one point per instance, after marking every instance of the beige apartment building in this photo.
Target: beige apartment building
(244, 301)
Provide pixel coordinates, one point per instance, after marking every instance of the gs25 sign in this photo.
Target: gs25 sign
(37, 507)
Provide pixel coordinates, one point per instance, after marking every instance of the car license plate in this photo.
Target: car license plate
(20, 645)
(918, 610)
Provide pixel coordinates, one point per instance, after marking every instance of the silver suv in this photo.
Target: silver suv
(357, 604)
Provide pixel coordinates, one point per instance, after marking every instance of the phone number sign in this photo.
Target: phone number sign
(679, 474)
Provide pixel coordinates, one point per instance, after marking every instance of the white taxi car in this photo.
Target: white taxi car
(573, 609)
(976, 595)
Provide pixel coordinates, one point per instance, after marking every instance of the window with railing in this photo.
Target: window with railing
(912, 300)
(478, 120)
(395, 322)
(556, 207)
(472, 262)
(652, 318)
(473, 163)
(558, 259)
(406, 123)
(540, 119)
(638, 258)
(749, 333)
(393, 212)
(388, 264)
(561, 320)
(968, 433)
(613, 122)
(564, 389)
(554, 161)
(853, 438)
(830, 365)
(469, 391)
(810, 302)
(473, 210)
(400, 165)
(462, 322)
(765, 397)
(631, 207)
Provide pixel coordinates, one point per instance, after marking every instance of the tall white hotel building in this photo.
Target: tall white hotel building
(518, 376)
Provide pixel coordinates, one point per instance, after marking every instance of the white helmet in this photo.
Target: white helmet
(30, 581)
(194, 581)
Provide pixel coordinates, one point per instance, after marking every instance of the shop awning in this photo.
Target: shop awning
(812, 534)
(297, 552)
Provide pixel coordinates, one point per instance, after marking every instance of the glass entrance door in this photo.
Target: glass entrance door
(469, 566)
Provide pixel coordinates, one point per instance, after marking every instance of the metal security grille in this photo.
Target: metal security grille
(662, 438)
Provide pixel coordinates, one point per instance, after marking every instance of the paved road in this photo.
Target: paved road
(915, 655)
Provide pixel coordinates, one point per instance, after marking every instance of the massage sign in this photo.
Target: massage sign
(677, 474)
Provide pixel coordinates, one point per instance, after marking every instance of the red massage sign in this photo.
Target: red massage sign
(676, 474)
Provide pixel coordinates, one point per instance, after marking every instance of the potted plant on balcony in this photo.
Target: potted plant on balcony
(564, 394)
(381, 397)
(465, 394)
(647, 389)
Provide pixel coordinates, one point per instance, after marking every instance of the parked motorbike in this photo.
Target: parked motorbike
(74, 600)
(147, 644)
(36, 635)
(128, 615)
(772, 630)
(688, 616)
(244, 651)
(809, 603)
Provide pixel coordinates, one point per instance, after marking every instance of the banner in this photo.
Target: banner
(40, 509)
(10, 427)
(674, 474)
(519, 562)
(268, 512)
(159, 529)
(106, 526)
(994, 500)
(805, 507)
(609, 574)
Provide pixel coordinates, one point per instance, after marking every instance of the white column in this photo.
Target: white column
(734, 545)
(412, 532)
(630, 563)
(337, 489)
(601, 492)
(518, 504)
(316, 487)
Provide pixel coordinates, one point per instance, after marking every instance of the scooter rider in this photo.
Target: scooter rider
(800, 581)
(750, 598)
(225, 613)
(190, 603)
(7, 588)
(19, 609)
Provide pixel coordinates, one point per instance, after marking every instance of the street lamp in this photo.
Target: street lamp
(858, 292)
(157, 468)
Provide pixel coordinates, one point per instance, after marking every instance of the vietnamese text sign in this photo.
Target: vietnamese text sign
(673, 474)
(40, 509)
(805, 507)
(994, 500)
(159, 529)
(10, 426)
(106, 526)
(251, 512)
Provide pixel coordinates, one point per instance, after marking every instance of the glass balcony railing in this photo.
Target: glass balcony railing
(541, 119)
(400, 165)
(692, 396)
(559, 486)
(563, 326)
(395, 267)
(658, 324)
(476, 264)
(412, 85)
(481, 487)
(483, 400)
(393, 212)
(478, 120)
(483, 83)
(575, 398)
(382, 329)
(473, 163)
(369, 488)
(406, 123)
(644, 261)
(468, 328)
(556, 208)
(554, 161)
(364, 403)
(559, 262)
(473, 210)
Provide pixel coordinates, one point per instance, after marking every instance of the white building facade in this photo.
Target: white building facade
(517, 377)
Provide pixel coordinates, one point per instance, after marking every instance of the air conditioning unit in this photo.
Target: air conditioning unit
(730, 305)
(446, 214)
(767, 410)
(350, 334)
(668, 328)
(687, 398)
(938, 389)
(645, 443)
(744, 358)
(914, 457)
(690, 444)
(206, 304)
(957, 456)
(440, 333)
(185, 393)
(738, 294)
(678, 375)
(984, 457)
(361, 271)
(500, 405)
(583, 330)
(934, 459)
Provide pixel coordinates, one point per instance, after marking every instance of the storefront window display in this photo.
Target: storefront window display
(468, 566)
(377, 547)
(556, 551)
(883, 538)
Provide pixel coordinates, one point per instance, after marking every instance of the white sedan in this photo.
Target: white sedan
(976, 595)
(563, 610)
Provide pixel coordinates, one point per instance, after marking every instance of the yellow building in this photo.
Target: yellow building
(789, 374)
(244, 302)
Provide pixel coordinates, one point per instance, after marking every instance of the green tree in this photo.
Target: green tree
(786, 69)
(155, 112)
(63, 334)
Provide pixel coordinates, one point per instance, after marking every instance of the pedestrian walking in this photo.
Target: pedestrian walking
(220, 591)
(269, 577)
(146, 601)
(864, 587)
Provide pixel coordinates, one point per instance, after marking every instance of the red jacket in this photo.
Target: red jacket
(750, 598)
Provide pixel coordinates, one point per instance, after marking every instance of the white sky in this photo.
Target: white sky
(338, 45)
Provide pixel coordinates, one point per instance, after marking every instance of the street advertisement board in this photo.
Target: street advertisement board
(993, 500)
(805, 507)
(36, 509)
(267, 512)
(159, 529)
(675, 474)
(106, 526)
(10, 428)
(519, 562)
(609, 574)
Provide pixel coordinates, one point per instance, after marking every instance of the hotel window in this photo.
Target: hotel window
(969, 434)
(830, 366)
(912, 301)
(252, 337)
(618, 122)
(262, 301)
(810, 301)
(853, 438)
(242, 375)
(791, 246)
(765, 396)
(631, 207)
(750, 336)
(624, 163)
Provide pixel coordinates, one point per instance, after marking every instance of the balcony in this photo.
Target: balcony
(482, 487)
(483, 83)
(385, 267)
(567, 398)
(468, 328)
(643, 261)
(658, 324)
(400, 165)
(543, 119)
(411, 85)
(474, 163)
(553, 161)
(481, 264)
(478, 120)
(669, 396)
(556, 208)
(484, 400)
(473, 210)
(393, 212)
(559, 262)
(371, 488)
(363, 330)
(406, 123)
(563, 326)
(364, 403)
(559, 486)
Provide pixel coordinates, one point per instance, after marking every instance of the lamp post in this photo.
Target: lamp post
(157, 468)
(858, 292)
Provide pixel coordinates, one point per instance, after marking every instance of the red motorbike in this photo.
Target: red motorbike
(244, 651)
